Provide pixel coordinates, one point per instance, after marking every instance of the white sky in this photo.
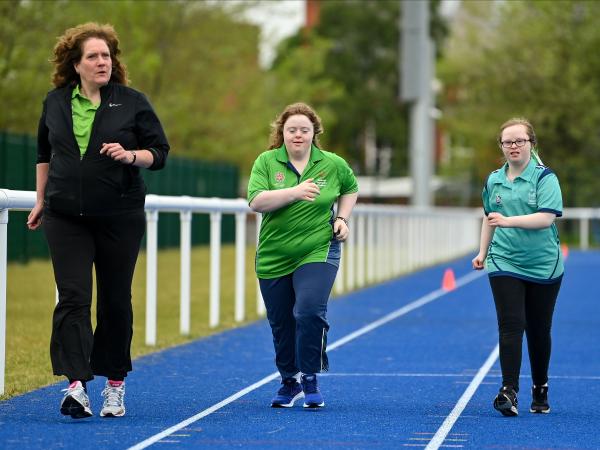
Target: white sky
(278, 20)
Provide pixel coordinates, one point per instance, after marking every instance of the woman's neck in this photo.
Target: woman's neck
(299, 161)
(514, 170)
(91, 92)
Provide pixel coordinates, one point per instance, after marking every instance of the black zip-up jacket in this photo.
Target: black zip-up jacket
(96, 184)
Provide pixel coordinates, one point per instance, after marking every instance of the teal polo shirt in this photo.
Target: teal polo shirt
(84, 112)
(533, 255)
(301, 232)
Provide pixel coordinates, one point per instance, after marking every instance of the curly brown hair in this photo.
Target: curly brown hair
(69, 50)
(276, 138)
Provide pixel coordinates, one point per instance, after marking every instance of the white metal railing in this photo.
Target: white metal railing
(385, 241)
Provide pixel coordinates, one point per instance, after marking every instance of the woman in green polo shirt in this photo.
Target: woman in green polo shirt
(521, 251)
(295, 185)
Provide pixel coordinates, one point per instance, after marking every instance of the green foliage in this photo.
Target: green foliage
(351, 59)
(536, 59)
(196, 63)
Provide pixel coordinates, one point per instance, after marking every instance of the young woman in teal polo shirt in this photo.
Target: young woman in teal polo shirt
(521, 251)
(295, 185)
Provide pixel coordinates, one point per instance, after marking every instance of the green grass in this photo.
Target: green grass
(31, 297)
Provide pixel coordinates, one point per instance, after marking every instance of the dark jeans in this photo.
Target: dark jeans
(524, 306)
(297, 312)
(77, 245)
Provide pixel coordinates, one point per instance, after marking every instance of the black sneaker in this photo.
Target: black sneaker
(539, 400)
(506, 401)
(288, 393)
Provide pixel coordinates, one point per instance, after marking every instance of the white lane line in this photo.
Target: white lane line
(349, 337)
(442, 432)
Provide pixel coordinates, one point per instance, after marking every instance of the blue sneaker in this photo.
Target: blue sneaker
(312, 395)
(288, 393)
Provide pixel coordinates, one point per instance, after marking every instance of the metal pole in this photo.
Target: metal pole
(416, 75)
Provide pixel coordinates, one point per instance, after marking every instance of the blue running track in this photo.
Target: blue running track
(411, 367)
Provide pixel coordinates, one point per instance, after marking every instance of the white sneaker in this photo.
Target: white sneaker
(114, 399)
(76, 402)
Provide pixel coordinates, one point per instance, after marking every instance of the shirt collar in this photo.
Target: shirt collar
(315, 154)
(76, 93)
(527, 173)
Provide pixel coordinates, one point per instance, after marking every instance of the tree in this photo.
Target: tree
(535, 59)
(195, 61)
(355, 48)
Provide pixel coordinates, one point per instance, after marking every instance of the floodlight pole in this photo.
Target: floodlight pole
(416, 74)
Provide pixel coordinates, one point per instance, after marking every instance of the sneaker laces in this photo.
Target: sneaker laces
(309, 384)
(113, 395)
(287, 386)
(75, 388)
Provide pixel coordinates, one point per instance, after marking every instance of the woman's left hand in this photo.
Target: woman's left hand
(340, 230)
(115, 151)
(497, 220)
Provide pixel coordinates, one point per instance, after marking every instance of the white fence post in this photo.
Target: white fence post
(3, 270)
(151, 271)
(215, 268)
(260, 305)
(185, 218)
(240, 266)
(360, 250)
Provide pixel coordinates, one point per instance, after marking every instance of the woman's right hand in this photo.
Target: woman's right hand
(307, 190)
(34, 220)
(478, 261)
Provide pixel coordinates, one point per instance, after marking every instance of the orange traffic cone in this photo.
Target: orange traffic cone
(565, 250)
(448, 282)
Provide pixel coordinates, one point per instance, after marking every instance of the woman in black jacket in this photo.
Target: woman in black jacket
(94, 135)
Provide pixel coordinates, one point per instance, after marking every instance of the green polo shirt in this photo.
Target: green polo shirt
(533, 255)
(301, 232)
(84, 112)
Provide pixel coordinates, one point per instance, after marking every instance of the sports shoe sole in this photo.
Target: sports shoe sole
(314, 405)
(76, 410)
(505, 407)
(539, 411)
(288, 405)
(109, 414)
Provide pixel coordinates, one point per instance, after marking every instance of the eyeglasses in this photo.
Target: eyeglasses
(518, 142)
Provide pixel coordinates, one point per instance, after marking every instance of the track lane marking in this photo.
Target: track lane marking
(428, 298)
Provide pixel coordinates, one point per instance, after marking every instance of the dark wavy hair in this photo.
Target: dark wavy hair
(69, 50)
(276, 138)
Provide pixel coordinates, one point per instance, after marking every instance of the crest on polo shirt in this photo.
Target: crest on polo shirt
(498, 200)
(279, 177)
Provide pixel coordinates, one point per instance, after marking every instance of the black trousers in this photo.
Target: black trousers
(297, 312)
(110, 244)
(524, 306)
